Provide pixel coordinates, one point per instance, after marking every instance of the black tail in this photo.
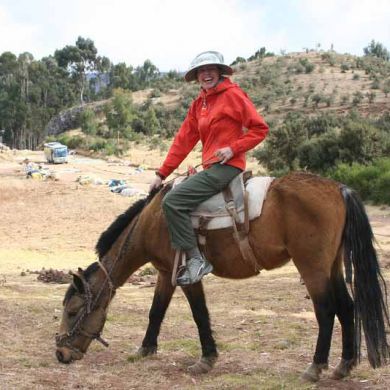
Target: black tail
(369, 287)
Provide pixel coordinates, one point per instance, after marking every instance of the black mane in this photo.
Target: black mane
(109, 236)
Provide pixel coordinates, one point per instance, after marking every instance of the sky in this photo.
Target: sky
(171, 33)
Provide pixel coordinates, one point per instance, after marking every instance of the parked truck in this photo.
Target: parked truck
(56, 153)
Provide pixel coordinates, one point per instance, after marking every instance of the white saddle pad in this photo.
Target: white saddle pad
(214, 209)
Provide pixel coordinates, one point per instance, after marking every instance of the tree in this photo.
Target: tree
(261, 53)
(120, 112)
(238, 60)
(122, 76)
(88, 122)
(376, 49)
(79, 60)
(147, 73)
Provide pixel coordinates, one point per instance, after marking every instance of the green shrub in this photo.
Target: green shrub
(307, 65)
(357, 98)
(88, 122)
(98, 144)
(72, 142)
(372, 181)
(319, 153)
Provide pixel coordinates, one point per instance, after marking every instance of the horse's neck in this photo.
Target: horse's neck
(124, 257)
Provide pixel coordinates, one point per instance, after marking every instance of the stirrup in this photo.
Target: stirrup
(186, 278)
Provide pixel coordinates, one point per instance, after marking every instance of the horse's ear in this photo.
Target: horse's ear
(78, 282)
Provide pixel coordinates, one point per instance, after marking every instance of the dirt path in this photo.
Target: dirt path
(264, 326)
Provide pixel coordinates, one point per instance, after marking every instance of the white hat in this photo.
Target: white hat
(207, 58)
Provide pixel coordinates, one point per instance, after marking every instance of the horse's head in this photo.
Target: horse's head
(84, 315)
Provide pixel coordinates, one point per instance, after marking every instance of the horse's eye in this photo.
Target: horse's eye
(72, 313)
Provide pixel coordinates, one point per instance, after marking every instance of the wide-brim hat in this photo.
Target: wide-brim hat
(207, 58)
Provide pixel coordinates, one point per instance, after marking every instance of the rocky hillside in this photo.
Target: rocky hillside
(305, 82)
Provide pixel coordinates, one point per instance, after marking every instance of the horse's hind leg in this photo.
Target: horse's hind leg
(319, 287)
(162, 297)
(345, 314)
(197, 301)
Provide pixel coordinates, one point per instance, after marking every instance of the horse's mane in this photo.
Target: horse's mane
(109, 236)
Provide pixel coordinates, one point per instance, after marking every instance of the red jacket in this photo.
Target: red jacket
(219, 117)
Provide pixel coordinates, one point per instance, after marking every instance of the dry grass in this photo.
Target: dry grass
(265, 327)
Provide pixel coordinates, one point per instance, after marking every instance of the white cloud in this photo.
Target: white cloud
(349, 24)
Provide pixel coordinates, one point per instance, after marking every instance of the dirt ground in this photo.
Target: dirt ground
(265, 326)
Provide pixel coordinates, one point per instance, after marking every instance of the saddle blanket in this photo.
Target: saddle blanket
(214, 209)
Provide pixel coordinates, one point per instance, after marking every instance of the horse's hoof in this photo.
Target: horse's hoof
(203, 366)
(312, 373)
(147, 351)
(343, 369)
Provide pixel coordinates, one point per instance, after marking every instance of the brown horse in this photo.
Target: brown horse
(316, 222)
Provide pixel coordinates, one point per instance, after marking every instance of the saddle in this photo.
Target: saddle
(235, 206)
(244, 197)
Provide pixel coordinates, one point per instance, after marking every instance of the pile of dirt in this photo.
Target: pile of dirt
(50, 276)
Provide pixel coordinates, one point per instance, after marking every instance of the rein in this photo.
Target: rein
(209, 161)
(89, 306)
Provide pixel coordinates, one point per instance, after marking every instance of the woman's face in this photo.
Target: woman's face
(208, 76)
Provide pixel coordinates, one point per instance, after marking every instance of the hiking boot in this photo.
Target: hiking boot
(196, 268)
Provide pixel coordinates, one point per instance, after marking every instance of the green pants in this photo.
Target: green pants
(185, 197)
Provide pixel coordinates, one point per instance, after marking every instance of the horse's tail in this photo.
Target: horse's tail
(369, 287)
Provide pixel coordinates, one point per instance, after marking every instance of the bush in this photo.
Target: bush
(372, 182)
(319, 143)
(88, 122)
(72, 142)
(357, 98)
(307, 65)
(319, 153)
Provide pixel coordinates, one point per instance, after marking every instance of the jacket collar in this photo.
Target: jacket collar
(221, 86)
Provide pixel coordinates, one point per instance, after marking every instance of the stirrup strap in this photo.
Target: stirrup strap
(178, 255)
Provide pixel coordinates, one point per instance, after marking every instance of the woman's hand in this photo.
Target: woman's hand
(224, 154)
(156, 183)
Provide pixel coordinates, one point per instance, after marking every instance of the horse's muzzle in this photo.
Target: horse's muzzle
(66, 355)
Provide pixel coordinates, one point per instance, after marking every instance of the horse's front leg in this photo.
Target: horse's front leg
(197, 301)
(162, 297)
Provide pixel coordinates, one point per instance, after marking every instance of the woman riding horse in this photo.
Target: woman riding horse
(218, 118)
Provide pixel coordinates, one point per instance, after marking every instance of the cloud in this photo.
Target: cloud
(348, 24)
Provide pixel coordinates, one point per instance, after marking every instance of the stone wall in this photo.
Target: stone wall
(68, 119)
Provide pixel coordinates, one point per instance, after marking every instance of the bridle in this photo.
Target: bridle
(65, 339)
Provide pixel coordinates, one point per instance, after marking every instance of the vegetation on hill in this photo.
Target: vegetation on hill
(324, 108)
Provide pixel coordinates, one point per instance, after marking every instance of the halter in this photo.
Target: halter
(64, 340)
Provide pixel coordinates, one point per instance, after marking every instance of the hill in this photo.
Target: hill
(305, 82)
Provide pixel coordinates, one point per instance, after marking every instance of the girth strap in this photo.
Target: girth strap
(241, 235)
